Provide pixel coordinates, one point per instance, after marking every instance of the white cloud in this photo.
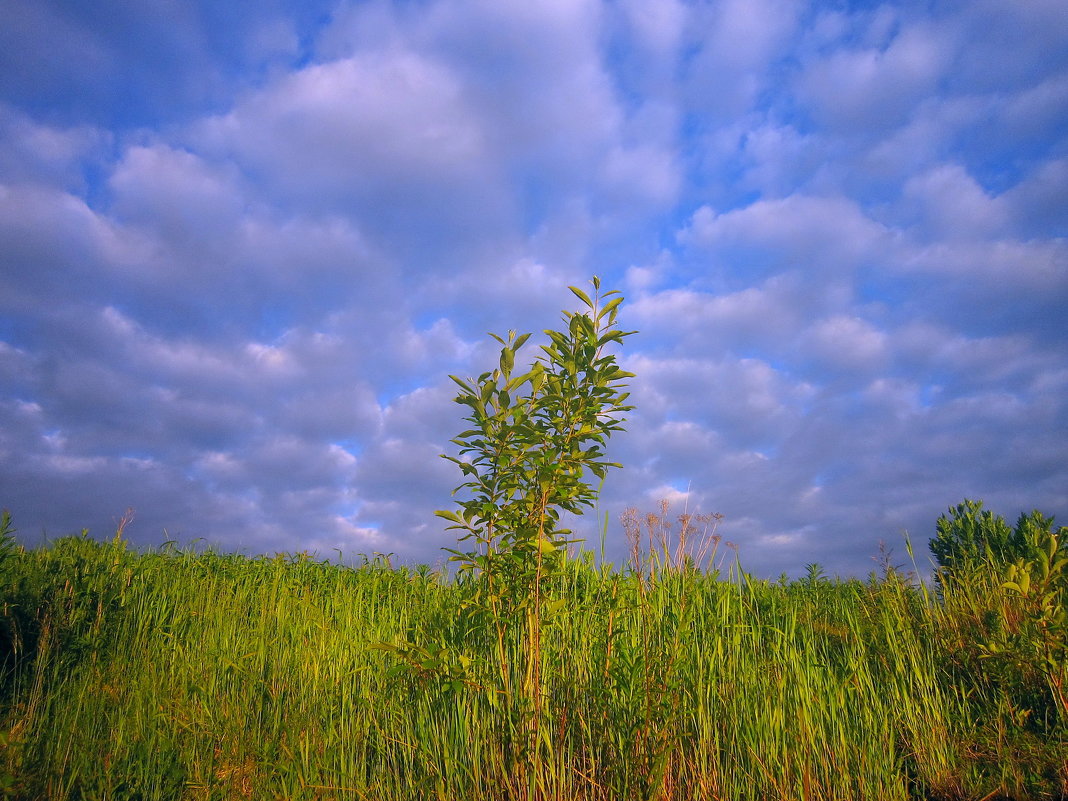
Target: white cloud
(951, 205)
(933, 131)
(180, 360)
(38, 153)
(1037, 113)
(176, 193)
(969, 362)
(272, 41)
(872, 88)
(760, 316)
(54, 249)
(779, 158)
(745, 399)
(736, 42)
(847, 343)
(657, 25)
(1038, 204)
(15, 365)
(1010, 268)
(643, 173)
(1009, 43)
(821, 235)
(349, 127)
(536, 72)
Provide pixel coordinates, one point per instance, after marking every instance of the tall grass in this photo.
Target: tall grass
(175, 674)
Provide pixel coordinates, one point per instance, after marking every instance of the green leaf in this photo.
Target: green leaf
(610, 307)
(546, 545)
(556, 606)
(582, 296)
(507, 361)
(467, 387)
(517, 381)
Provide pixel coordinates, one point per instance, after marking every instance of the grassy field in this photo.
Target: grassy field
(175, 674)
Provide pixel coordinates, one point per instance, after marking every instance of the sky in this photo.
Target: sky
(243, 246)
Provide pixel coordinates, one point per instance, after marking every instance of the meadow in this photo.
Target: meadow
(184, 674)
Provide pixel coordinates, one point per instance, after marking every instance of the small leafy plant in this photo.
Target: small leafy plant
(534, 438)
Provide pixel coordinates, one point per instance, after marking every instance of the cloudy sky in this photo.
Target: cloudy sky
(242, 246)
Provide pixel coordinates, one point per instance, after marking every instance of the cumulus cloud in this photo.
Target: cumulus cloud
(820, 236)
(735, 43)
(176, 194)
(348, 127)
(949, 204)
(847, 344)
(871, 88)
(33, 152)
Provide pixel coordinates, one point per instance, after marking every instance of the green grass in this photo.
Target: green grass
(177, 674)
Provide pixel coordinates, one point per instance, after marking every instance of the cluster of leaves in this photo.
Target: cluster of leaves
(1006, 587)
(969, 536)
(1032, 632)
(533, 438)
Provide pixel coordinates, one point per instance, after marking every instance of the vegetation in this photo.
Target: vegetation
(535, 672)
(173, 674)
(533, 438)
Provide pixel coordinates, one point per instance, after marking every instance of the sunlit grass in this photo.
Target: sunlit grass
(178, 674)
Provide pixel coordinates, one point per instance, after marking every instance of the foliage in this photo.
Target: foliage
(969, 535)
(7, 538)
(534, 436)
(1005, 628)
(10, 630)
(174, 674)
(1033, 635)
(197, 675)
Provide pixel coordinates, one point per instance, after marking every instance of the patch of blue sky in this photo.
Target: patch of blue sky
(353, 447)
(930, 394)
(389, 390)
(274, 319)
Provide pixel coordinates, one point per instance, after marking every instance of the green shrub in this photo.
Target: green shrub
(969, 536)
(1004, 637)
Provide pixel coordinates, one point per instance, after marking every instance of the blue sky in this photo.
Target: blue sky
(242, 246)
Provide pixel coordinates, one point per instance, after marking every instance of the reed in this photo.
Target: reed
(182, 674)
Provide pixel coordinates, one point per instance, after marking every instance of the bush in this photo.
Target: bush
(1006, 631)
(968, 536)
